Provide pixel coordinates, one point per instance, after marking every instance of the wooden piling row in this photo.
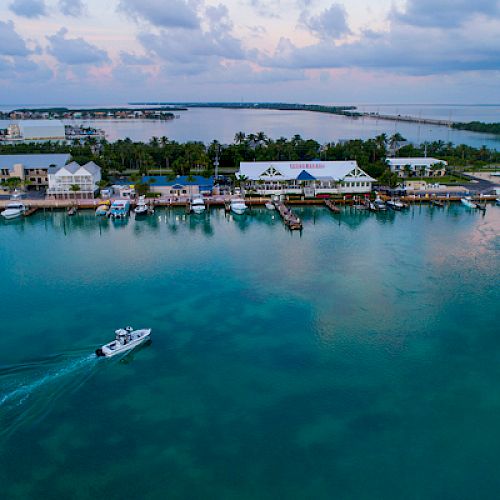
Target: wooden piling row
(289, 218)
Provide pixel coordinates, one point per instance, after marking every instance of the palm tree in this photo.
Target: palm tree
(74, 188)
(239, 137)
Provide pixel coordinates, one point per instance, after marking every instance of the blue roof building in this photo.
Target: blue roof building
(181, 185)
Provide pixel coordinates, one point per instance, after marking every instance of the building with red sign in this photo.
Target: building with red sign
(305, 178)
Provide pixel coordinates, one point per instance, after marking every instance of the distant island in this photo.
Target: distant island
(351, 111)
(485, 128)
(61, 113)
(279, 106)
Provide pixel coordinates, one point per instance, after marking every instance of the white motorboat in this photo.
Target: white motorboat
(126, 339)
(467, 201)
(395, 205)
(497, 201)
(197, 205)
(238, 206)
(13, 210)
(270, 205)
(379, 205)
(141, 208)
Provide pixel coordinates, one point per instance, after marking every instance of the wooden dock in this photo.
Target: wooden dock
(289, 218)
(332, 207)
(30, 211)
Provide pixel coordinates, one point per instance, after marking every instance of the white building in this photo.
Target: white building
(62, 178)
(36, 131)
(422, 167)
(305, 178)
(31, 169)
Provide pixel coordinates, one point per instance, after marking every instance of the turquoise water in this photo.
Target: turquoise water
(359, 359)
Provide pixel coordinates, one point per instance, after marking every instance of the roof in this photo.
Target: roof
(34, 161)
(73, 167)
(302, 170)
(414, 161)
(181, 180)
(41, 128)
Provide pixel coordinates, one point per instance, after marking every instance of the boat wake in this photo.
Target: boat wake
(28, 390)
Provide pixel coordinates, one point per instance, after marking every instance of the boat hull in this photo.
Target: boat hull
(114, 348)
(11, 214)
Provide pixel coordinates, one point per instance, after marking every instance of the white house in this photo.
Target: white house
(31, 169)
(62, 178)
(305, 178)
(423, 167)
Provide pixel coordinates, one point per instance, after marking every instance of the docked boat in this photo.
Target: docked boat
(102, 210)
(197, 205)
(238, 206)
(497, 201)
(13, 210)
(142, 207)
(120, 209)
(379, 205)
(270, 205)
(395, 205)
(467, 201)
(126, 339)
(71, 211)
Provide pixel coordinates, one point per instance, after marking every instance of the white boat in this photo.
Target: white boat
(197, 205)
(238, 206)
(119, 209)
(13, 210)
(467, 201)
(141, 208)
(395, 205)
(379, 205)
(126, 339)
(497, 201)
(270, 206)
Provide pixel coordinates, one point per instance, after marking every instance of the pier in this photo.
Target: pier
(332, 207)
(289, 218)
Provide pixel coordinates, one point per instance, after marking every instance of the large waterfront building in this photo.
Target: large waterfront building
(304, 178)
(31, 170)
(423, 167)
(61, 180)
(39, 131)
(182, 185)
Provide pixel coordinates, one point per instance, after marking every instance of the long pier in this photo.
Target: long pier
(409, 119)
(332, 207)
(289, 218)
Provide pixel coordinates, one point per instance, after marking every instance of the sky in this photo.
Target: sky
(311, 51)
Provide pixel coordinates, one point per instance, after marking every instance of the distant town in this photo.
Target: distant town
(91, 114)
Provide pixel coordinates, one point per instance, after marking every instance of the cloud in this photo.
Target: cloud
(11, 44)
(29, 8)
(75, 51)
(445, 13)
(404, 48)
(331, 23)
(134, 59)
(74, 8)
(193, 51)
(171, 14)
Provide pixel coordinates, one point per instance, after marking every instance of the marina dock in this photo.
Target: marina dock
(329, 204)
(289, 218)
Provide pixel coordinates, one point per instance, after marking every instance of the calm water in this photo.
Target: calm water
(360, 359)
(222, 124)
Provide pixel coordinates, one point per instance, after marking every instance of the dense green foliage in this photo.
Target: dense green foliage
(487, 128)
(172, 157)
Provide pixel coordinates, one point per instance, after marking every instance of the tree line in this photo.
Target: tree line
(169, 156)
